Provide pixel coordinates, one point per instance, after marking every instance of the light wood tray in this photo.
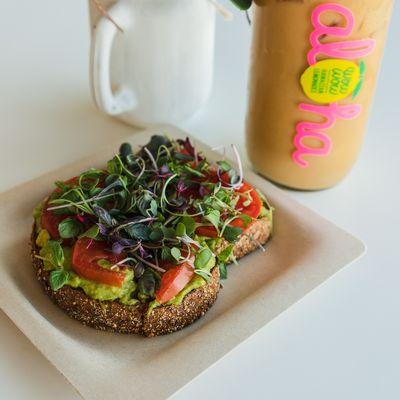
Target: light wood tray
(305, 251)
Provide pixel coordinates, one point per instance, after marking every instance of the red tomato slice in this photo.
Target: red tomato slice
(207, 231)
(85, 255)
(253, 210)
(50, 221)
(173, 281)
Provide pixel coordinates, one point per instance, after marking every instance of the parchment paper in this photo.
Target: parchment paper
(304, 252)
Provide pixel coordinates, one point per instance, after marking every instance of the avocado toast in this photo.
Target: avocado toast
(140, 246)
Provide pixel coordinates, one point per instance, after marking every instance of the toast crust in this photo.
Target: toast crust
(116, 317)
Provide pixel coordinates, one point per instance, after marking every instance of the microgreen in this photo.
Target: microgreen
(232, 233)
(203, 258)
(69, 228)
(176, 253)
(147, 283)
(54, 252)
(213, 216)
(58, 278)
(147, 205)
(223, 272)
(190, 224)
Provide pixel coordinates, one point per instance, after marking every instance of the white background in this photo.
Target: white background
(341, 341)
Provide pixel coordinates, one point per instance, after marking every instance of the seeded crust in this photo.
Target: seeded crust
(116, 317)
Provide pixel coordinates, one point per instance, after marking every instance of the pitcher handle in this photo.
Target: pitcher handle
(102, 41)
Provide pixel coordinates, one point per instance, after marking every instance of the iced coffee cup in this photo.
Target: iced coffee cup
(313, 72)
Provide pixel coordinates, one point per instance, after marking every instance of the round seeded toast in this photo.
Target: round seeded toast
(116, 317)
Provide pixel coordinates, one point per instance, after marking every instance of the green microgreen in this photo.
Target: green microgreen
(58, 278)
(147, 206)
(69, 228)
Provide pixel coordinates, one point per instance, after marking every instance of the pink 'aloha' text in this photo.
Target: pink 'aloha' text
(349, 50)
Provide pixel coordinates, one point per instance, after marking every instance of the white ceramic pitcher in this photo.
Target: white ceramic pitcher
(159, 69)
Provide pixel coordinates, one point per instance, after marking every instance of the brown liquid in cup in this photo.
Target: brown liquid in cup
(279, 58)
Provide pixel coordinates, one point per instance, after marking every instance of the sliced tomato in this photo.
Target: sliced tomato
(49, 221)
(85, 256)
(253, 210)
(207, 231)
(173, 281)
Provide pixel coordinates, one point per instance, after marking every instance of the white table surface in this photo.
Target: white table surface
(341, 341)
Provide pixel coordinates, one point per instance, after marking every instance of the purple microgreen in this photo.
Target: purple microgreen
(203, 191)
(180, 187)
(104, 216)
(117, 248)
(102, 228)
(187, 145)
(143, 252)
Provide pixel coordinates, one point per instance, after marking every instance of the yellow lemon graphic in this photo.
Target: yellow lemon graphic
(329, 81)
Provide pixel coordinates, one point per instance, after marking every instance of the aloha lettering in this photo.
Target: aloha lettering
(349, 50)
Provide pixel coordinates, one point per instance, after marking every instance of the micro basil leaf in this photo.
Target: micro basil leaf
(165, 253)
(153, 208)
(169, 233)
(92, 232)
(213, 217)
(103, 216)
(56, 253)
(156, 235)
(246, 219)
(180, 230)
(147, 283)
(231, 233)
(223, 272)
(190, 224)
(58, 278)
(226, 254)
(69, 228)
(143, 203)
(176, 253)
(204, 274)
(203, 258)
(138, 231)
